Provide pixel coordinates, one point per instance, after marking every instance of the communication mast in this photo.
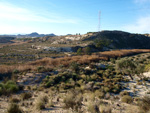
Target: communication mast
(99, 22)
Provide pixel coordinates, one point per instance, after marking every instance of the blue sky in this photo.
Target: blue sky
(73, 16)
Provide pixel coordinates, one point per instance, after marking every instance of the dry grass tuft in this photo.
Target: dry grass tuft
(14, 108)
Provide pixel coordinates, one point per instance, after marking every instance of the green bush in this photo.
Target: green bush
(2, 85)
(127, 67)
(11, 88)
(8, 87)
(79, 51)
(1, 88)
(50, 82)
(112, 60)
(75, 67)
(57, 79)
(15, 71)
(1, 91)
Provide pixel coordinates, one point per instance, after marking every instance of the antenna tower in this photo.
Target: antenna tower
(99, 22)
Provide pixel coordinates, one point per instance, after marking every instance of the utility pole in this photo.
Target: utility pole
(99, 22)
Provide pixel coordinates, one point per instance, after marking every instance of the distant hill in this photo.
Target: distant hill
(6, 39)
(34, 35)
(31, 35)
(122, 40)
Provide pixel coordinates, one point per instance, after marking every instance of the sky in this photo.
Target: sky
(73, 16)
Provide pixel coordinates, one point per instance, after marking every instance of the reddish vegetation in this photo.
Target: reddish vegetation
(85, 59)
(121, 53)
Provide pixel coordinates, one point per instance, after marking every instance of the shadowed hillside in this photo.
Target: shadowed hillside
(122, 40)
(6, 39)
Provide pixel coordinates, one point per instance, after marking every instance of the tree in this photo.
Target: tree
(79, 51)
(126, 66)
(99, 44)
(87, 50)
(102, 43)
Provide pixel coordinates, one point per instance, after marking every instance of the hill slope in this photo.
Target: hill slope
(122, 40)
(6, 39)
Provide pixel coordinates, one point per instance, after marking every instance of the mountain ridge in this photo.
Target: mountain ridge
(33, 34)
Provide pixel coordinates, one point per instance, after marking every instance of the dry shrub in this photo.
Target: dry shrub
(99, 94)
(121, 53)
(132, 109)
(40, 102)
(123, 93)
(25, 67)
(94, 58)
(144, 105)
(41, 62)
(44, 98)
(51, 103)
(14, 100)
(93, 107)
(73, 100)
(85, 59)
(54, 62)
(6, 69)
(127, 99)
(39, 105)
(14, 108)
(25, 96)
(105, 109)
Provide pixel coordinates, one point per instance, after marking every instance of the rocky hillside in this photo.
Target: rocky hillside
(122, 40)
